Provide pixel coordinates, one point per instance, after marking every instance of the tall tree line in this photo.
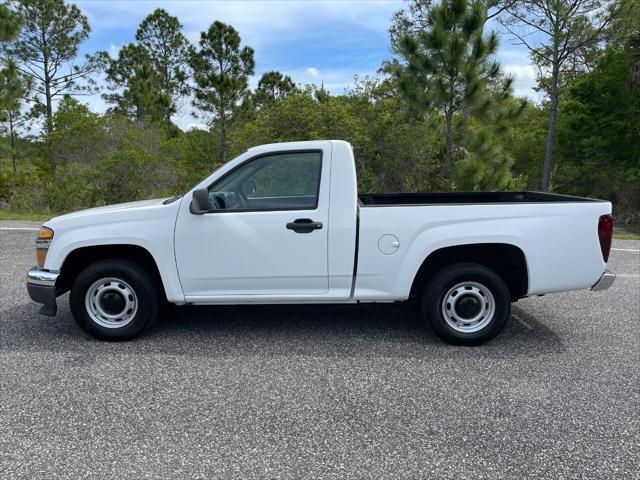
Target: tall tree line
(443, 76)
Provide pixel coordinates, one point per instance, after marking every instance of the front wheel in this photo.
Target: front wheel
(466, 304)
(115, 299)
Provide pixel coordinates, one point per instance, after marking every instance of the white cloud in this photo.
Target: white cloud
(516, 62)
(524, 79)
(186, 121)
(114, 50)
(312, 72)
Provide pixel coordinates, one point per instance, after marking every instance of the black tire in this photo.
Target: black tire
(482, 287)
(145, 287)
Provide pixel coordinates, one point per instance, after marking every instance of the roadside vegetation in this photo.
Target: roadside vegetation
(440, 115)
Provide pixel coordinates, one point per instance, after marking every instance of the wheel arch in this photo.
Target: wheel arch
(507, 260)
(81, 257)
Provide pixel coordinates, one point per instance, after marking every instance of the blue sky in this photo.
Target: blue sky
(328, 41)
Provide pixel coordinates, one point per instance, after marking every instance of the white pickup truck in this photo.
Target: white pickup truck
(284, 223)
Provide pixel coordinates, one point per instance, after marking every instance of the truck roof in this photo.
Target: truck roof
(303, 144)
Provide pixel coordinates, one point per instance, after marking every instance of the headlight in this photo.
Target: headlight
(42, 245)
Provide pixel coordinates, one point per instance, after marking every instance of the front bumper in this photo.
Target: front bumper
(606, 280)
(41, 286)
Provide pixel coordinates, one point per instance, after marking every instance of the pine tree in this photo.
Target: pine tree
(448, 65)
(14, 88)
(137, 86)
(149, 77)
(168, 52)
(52, 32)
(9, 24)
(221, 73)
(415, 18)
(273, 86)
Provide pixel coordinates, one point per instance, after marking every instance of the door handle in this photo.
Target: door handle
(304, 225)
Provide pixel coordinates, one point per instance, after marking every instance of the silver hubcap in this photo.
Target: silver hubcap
(468, 307)
(111, 302)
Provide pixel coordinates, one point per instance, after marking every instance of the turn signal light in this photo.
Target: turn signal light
(41, 256)
(45, 233)
(42, 245)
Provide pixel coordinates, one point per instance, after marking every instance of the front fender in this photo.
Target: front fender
(151, 229)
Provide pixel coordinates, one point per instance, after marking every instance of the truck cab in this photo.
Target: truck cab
(277, 223)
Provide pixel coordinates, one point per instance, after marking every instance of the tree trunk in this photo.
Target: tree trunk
(466, 115)
(12, 138)
(448, 148)
(223, 133)
(167, 88)
(466, 112)
(47, 94)
(551, 132)
(49, 112)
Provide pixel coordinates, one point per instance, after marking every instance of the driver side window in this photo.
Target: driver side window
(283, 181)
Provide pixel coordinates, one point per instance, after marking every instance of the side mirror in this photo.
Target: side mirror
(200, 201)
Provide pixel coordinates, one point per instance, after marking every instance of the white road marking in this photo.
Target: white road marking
(628, 275)
(23, 229)
(626, 249)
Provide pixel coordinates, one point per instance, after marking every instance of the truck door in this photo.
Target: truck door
(266, 232)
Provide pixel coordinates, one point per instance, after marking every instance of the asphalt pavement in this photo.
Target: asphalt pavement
(321, 391)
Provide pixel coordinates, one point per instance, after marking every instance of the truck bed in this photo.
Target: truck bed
(395, 199)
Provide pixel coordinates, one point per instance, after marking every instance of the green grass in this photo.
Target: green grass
(626, 236)
(627, 232)
(34, 217)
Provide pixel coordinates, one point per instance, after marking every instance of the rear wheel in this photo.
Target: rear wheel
(115, 299)
(466, 304)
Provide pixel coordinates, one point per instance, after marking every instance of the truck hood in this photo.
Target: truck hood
(111, 208)
(128, 216)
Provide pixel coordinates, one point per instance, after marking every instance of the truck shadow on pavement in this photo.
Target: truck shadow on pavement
(376, 330)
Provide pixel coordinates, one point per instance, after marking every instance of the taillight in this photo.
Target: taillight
(605, 234)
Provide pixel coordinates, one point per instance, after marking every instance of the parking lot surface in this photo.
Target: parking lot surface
(321, 391)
